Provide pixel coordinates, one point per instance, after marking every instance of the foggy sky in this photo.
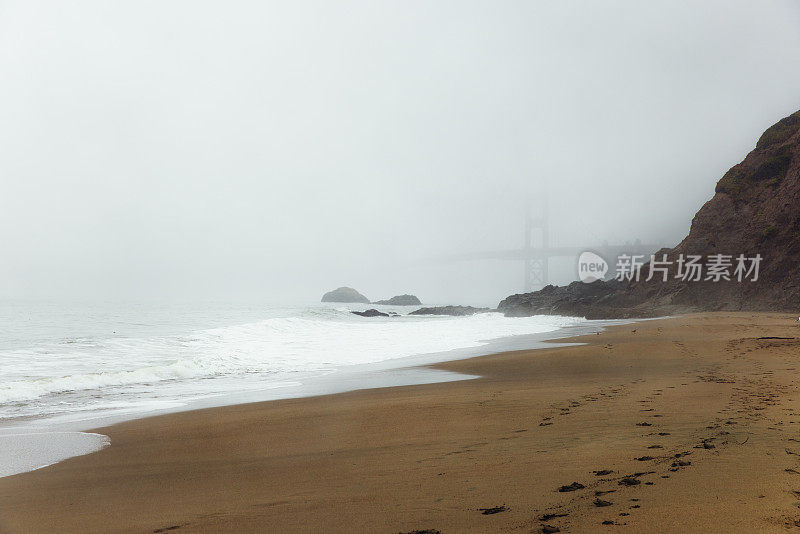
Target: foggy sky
(277, 150)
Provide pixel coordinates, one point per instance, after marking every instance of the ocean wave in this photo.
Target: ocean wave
(315, 339)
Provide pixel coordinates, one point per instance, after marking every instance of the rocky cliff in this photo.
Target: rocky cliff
(755, 211)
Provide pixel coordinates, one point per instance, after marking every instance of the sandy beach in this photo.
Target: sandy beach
(687, 424)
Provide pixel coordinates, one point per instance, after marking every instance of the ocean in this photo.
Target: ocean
(64, 363)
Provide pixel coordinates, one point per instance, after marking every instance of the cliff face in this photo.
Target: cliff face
(755, 210)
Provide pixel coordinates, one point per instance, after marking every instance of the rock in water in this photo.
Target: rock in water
(371, 313)
(458, 311)
(345, 294)
(401, 300)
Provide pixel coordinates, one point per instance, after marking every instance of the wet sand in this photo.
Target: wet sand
(688, 424)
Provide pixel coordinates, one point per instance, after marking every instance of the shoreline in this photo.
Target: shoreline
(406, 458)
(405, 371)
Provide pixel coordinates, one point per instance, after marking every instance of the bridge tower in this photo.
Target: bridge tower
(536, 236)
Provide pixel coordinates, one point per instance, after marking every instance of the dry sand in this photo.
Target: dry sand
(702, 415)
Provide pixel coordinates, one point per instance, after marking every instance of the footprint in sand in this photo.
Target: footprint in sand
(571, 487)
(493, 510)
(548, 517)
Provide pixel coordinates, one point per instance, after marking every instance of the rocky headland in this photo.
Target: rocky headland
(755, 211)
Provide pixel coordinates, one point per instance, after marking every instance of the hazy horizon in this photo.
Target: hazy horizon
(199, 150)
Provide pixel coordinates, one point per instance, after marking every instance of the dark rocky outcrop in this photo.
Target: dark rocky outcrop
(371, 313)
(345, 294)
(458, 311)
(593, 301)
(755, 210)
(401, 300)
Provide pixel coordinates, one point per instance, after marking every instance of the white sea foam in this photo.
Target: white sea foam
(34, 450)
(73, 374)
